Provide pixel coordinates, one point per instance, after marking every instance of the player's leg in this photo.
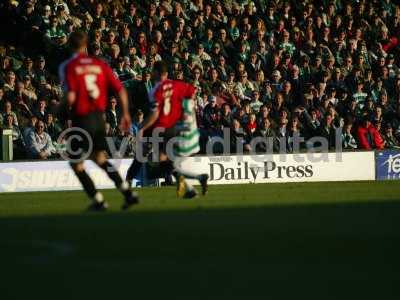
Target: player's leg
(186, 146)
(137, 162)
(202, 178)
(166, 165)
(133, 170)
(80, 147)
(89, 187)
(131, 198)
(168, 179)
(184, 188)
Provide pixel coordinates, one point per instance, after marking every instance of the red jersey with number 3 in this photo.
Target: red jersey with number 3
(90, 79)
(166, 97)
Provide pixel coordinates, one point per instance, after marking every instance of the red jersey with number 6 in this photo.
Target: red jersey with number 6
(166, 97)
(91, 79)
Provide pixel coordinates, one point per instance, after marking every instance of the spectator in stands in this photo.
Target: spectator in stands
(239, 138)
(368, 137)
(360, 96)
(226, 116)
(26, 69)
(18, 142)
(29, 88)
(348, 140)
(390, 140)
(21, 94)
(251, 125)
(211, 117)
(40, 69)
(255, 103)
(41, 110)
(8, 111)
(9, 82)
(113, 115)
(327, 130)
(137, 121)
(39, 143)
(53, 128)
(294, 131)
(30, 128)
(307, 60)
(266, 132)
(312, 122)
(54, 31)
(377, 89)
(10, 124)
(45, 16)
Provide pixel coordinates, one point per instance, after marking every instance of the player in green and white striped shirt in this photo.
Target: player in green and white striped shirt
(187, 145)
(188, 139)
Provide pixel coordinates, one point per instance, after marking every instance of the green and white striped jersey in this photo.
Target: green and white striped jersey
(188, 138)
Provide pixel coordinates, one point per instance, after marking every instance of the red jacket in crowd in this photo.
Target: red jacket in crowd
(369, 138)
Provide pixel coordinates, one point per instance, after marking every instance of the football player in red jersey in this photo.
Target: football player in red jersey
(87, 81)
(166, 111)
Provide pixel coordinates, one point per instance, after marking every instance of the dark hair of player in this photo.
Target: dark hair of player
(78, 40)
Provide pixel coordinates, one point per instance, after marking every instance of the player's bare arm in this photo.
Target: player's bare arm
(150, 120)
(70, 98)
(126, 118)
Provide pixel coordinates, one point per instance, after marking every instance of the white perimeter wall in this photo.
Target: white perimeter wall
(57, 175)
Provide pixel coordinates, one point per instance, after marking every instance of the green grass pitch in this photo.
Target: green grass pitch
(255, 241)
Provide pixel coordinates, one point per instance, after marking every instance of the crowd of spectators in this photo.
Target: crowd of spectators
(261, 68)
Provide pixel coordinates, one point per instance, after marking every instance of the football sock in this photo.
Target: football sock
(168, 179)
(160, 170)
(87, 183)
(133, 170)
(166, 168)
(122, 185)
(114, 175)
